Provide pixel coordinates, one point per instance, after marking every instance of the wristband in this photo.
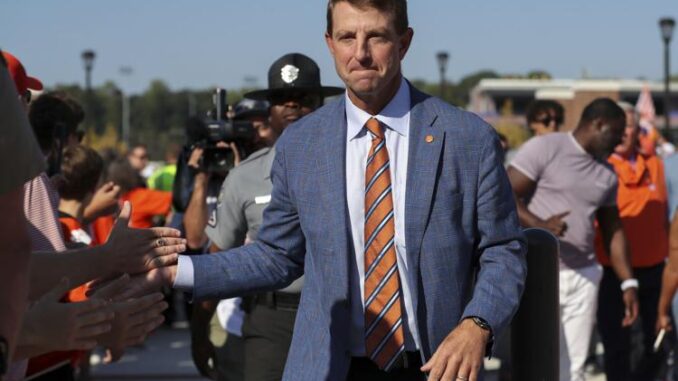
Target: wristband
(629, 283)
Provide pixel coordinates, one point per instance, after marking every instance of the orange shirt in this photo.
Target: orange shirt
(648, 141)
(76, 234)
(642, 202)
(146, 204)
(101, 228)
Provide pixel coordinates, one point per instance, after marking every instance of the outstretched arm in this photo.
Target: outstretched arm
(271, 262)
(127, 250)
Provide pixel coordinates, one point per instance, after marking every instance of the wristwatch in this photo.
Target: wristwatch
(4, 354)
(483, 324)
(480, 322)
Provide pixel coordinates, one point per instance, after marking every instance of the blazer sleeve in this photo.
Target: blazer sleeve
(501, 245)
(271, 262)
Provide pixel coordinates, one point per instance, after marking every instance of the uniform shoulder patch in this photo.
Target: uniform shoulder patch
(212, 221)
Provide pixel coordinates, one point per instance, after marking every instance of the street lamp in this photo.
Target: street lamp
(666, 26)
(88, 61)
(126, 71)
(443, 58)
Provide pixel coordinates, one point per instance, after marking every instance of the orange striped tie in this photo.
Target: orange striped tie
(384, 337)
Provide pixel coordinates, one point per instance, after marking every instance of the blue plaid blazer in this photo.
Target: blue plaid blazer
(462, 234)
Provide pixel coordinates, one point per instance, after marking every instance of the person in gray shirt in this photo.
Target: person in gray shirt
(294, 90)
(563, 184)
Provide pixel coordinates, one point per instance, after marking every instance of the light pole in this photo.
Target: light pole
(666, 26)
(125, 71)
(443, 58)
(88, 62)
(88, 57)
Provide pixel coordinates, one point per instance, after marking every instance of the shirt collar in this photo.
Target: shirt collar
(396, 114)
(268, 162)
(576, 143)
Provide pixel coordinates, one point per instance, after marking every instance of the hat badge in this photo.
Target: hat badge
(289, 73)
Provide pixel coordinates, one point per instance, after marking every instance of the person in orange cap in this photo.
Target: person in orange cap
(24, 83)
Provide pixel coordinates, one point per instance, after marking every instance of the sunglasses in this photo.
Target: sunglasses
(547, 120)
(304, 99)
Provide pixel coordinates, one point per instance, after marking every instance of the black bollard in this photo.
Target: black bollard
(535, 330)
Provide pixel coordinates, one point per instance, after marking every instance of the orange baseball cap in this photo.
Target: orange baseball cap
(16, 70)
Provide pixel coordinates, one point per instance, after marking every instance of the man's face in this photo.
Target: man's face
(288, 108)
(138, 158)
(545, 123)
(630, 137)
(367, 50)
(265, 134)
(610, 133)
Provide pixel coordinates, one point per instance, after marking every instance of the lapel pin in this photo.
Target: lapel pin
(429, 138)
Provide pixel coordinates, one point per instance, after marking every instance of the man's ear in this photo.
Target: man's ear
(598, 124)
(405, 42)
(330, 43)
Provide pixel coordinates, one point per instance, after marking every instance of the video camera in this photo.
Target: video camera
(219, 127)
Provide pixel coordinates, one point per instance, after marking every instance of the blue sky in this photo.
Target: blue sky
(201, 43)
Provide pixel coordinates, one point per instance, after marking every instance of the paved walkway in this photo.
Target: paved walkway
(166, 355)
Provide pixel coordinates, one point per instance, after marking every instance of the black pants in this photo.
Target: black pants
(62, 373)
(267, 333)
(616, 339)
(362, 369)
(230, 359)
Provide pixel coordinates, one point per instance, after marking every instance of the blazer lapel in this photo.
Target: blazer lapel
(425, 144)
(331, 155)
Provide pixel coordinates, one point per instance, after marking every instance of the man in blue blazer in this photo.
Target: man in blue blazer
(424, 286)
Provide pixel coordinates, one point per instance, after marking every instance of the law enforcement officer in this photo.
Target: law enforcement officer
(294, 90)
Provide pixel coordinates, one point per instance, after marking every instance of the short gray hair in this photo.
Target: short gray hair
(628, 107)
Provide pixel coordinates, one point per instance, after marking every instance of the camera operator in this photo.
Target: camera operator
(294, 90)
(201, 211)
(207, 159)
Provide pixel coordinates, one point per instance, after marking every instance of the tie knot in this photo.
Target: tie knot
(375, 128)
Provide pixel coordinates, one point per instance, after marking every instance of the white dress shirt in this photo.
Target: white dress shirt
(396, 117)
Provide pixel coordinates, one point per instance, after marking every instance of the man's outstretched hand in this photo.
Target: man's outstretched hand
(149, 282)
(135, 251)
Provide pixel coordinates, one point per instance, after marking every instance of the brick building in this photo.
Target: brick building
(505, 100)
